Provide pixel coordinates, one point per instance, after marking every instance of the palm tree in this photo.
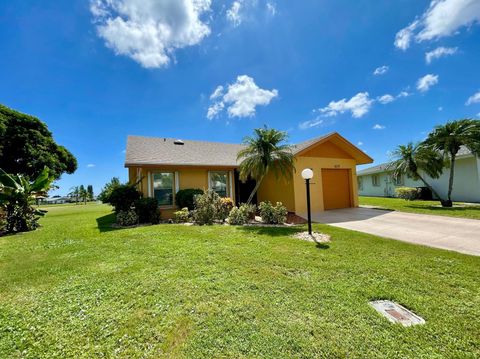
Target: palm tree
(410, 159)
(447, 139)
(266, 150)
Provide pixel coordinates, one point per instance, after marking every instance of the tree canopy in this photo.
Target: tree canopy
(27, 147)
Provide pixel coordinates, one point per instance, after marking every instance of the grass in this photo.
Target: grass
(425, 207)
(79, 288)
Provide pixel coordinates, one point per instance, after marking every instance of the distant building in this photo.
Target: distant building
(55, 200)
(378, 182)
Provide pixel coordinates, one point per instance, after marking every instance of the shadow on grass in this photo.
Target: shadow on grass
(104, 223)
(271, 231)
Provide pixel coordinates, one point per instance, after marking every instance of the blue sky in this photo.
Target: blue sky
(97, 71)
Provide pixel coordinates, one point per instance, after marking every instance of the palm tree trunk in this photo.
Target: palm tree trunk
(255, 189)
(450, 180)
(430, 187)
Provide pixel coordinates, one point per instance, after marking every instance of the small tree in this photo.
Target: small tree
(17, 196)
(108, 188)
(265, 151)
(90, 195)
(448, 139)
(410, 159)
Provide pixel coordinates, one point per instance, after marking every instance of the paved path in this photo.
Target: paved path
(456, 234)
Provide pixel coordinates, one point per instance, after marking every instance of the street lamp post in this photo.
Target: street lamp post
(307, 175)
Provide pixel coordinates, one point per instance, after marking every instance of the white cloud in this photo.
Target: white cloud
(241, 98)
(358, 105)
(217, 93)
(386, 99)
(475, 98)
(311, 123)
(424, 83)
(404, 36)
(149, 31)
(90, 165)
(382, 70)
(360, 143)
(440, 108)
(233, 14)
(439, 52)
(442, 18)
(403, 94)
(271, 8)
(378, 127)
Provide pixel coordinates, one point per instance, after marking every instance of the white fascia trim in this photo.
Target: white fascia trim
(149, 182)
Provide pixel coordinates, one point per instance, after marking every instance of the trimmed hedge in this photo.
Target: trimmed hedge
(186, 197)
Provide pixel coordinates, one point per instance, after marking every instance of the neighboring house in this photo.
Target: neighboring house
(54, 200)
(378, 182)
(163, 166)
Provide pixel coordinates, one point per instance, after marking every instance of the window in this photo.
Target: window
(218, 183)
(360, 183)
(398, 180)
(163, 188)
(375, 180)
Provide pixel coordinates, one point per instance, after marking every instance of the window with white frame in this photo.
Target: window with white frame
(375, 180)
(163, 188)
(218, 181)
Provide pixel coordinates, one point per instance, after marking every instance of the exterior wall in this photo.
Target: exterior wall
(276, 189)
(466, 184)
(185, 177)
(316, 191)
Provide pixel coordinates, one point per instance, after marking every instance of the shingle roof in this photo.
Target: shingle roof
(463, 152)
(163, 151)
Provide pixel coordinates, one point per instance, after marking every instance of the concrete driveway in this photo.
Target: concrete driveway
(456, 234)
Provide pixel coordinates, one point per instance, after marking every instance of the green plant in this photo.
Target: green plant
(207, 206)
(17, 195)
(147, 210)
(448, 139)
(407, 193)
(265, 151)
(226, 205)
(185, 197)
(123, 197)
(127, 218)
(237, 216)
(273, 214)
(181, 216)
(107, 190)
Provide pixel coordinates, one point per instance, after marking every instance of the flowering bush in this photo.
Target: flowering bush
(207, 207)
(127, 218)
(273, 214)
(226, 205)
(181, 216)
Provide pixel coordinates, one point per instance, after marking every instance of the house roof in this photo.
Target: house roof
(462, 153)
(165, 151)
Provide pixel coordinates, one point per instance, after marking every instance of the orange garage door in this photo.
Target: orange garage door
(336, 188)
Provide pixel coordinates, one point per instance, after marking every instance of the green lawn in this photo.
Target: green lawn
(78, 288)
(425, 207)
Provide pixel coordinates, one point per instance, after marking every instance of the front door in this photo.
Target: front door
(336, 188)
(243, 189)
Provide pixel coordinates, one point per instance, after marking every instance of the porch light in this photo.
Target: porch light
(307, 175)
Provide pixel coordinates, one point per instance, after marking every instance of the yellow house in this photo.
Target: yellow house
(163, 166)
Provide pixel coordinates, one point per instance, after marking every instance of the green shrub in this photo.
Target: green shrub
(3, 221)
(181, 216)
(226, 205)
(273, 214)
(147, 210)
(238, 216)
(127, 218)
(123, 197)
(207, 207)
(186, 197)
(407, 193)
